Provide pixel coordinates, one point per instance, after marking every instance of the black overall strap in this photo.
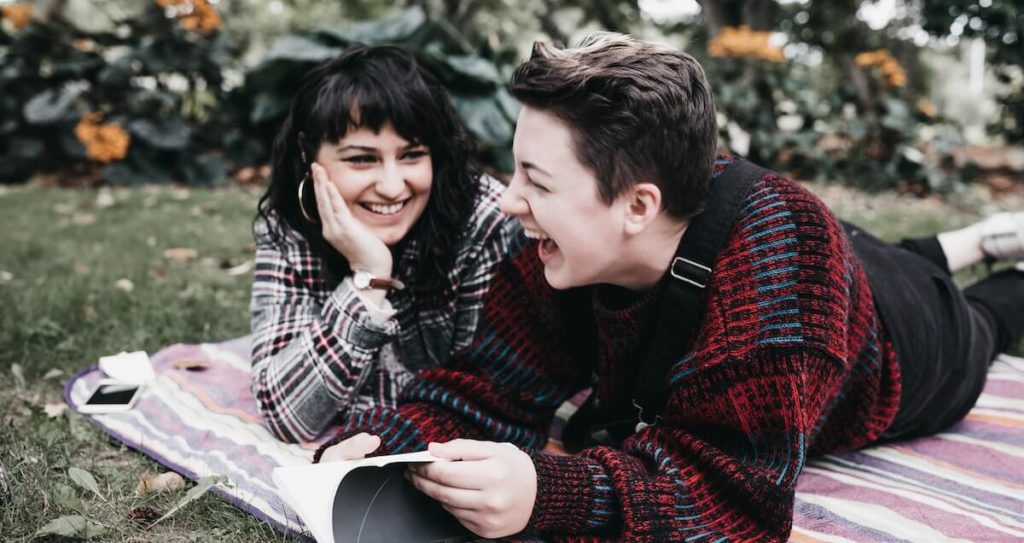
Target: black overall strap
(682, 305)
(681, 313)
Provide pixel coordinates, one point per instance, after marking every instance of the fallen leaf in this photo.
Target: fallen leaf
(105, 199)
(53, 374)
(157, 273)
(180, 194)
(73, 526)
(164, 482)
(64, 496)
(6, 276)
(82, 219)
(143, 514)
(180, 254)
(85, 480)
(124, 284)
(64, 209)
(240, 269)
(88, 313)
(81, 269)
(19, 375)
(54, 410)
(202, 487)
(192, 364)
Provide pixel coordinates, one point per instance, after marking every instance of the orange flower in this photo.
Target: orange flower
(927, 107)
(194, 14)
(19, 14)
(884, 61)
(103, 142)
(741, 41)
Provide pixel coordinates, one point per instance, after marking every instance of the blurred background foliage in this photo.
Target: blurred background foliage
(885, 94)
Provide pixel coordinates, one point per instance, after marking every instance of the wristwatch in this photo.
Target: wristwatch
(364, 280)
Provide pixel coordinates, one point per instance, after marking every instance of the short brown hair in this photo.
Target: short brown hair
(639, 111)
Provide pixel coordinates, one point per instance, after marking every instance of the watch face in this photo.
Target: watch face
(362, 280)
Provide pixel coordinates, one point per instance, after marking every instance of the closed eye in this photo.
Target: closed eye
(414, 154)
(360, 159)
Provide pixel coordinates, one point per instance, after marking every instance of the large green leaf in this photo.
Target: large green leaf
(72, 526)
(26, 148)
(397, 29)
(205, 170)
(485, 118)
(269, 107)
(85, 480)
(299, 48)
(169, 134)
(50, 106)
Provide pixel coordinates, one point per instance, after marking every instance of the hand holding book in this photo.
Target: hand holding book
(488, 487)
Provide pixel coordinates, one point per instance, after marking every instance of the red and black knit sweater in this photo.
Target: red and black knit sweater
(791, 361)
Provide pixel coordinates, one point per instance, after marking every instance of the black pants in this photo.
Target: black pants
(945, 338)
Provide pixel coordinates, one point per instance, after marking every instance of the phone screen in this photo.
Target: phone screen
(111, 394)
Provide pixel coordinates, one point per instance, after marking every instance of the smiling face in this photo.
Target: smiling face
(384, 179)
(556, 199)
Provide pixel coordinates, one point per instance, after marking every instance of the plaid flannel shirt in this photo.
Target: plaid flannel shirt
(321, 351)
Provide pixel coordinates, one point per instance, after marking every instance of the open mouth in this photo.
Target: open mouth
(384, 209)
(547, 246)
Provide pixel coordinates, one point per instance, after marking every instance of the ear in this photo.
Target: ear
(643, 205)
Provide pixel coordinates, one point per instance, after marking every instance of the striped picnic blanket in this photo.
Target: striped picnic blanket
(963, 485)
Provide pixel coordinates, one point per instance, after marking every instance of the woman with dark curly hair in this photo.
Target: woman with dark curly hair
(375, 242)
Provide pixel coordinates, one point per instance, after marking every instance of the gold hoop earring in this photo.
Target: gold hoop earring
(302, 206)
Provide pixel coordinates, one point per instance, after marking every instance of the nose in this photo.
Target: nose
(391, 184)
(512, 202)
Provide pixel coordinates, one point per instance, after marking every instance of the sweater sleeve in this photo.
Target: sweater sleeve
(311, 353)
(721, 465)
(504, 386)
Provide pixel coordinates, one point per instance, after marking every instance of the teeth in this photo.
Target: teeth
(383, 209)
(535, 234)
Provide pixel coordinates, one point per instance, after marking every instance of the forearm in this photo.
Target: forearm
(309, 361)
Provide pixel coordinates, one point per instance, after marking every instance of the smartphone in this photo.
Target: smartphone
(111, 396)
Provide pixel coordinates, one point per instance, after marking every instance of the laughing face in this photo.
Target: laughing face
(384, 179)
(556, 199)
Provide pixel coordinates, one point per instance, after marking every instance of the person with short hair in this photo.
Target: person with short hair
(375, 242)
(808, 336)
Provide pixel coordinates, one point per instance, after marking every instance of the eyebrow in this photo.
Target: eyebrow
(371, 149)
(534, 167)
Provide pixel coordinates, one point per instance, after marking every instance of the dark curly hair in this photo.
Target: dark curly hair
(370, 87)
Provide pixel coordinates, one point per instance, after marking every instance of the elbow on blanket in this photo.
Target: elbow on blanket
(273, 419)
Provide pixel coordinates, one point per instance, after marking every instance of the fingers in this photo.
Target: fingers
(457, 498)
(323, 201)
(353, 448)
(471, 475)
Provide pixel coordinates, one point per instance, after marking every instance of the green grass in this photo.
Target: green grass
(60, 310)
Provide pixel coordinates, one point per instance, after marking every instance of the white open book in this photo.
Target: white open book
(366, 501)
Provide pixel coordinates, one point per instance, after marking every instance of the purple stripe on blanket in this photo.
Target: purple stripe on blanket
(205, 422)
(821, 520)
(958, 521)
(865, 466)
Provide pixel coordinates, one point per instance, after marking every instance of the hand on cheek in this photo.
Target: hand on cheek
(490, 487)
(345, 233)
